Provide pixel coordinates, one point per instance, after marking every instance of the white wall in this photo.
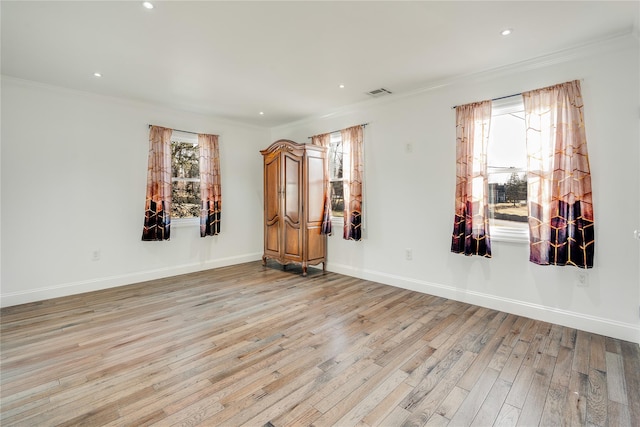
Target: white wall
(410, 195)
(74, 170)
(74, 176)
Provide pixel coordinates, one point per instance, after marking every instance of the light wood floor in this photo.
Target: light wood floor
(255, 346)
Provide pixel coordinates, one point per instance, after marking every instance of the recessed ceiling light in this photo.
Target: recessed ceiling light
(341, 86)
(506, 31)
(97, 75)
(261, 113)
(147, 4)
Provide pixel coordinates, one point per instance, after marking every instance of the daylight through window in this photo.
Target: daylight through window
(338, 157)
(185, 176)
(507, 170)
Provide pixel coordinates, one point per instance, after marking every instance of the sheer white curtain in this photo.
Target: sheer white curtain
(210, 189)
(157, 209)
(561, 223)
(324, 140)
(353, 138)
(471, 221)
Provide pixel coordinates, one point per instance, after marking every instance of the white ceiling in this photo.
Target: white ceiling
(235, 59)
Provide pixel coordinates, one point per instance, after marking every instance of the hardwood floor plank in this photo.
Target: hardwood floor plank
(508, 416)
(597, 357)
(631, 365)
(476, 397)
(259, 346)
(597, 401)
(512, 366)
(578, 395)
(616, 385)
(383, 408)
(536, 397)
(491, 406)
(554, 413)
(373, 398)
(396, 417)
(434, 392)
(437, 420)
(562, 369)
(452, 402)
(618, 414)
(582, 352)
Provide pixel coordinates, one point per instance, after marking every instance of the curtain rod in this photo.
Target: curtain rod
(493, 99)
(178, 130)
(509, 96)
(334, 131)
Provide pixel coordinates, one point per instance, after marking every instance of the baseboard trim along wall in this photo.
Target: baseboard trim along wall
(598, 325)
(15, 298)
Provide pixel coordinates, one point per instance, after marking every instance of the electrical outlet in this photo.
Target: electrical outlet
(408, 254)
(582, 279)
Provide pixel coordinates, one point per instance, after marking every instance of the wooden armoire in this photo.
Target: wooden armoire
(294, 194)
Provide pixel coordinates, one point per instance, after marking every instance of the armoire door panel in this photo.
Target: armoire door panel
(292, 239)
(271, 188)
(315, 188)
(316, 243)
(293, 185)
(272, 238)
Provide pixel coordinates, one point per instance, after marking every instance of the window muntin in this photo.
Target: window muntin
(185, 176)
(507, 171)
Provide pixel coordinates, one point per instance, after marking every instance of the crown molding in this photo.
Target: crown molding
(614, 42)
(134, 103)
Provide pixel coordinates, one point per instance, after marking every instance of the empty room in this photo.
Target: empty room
(320, 213)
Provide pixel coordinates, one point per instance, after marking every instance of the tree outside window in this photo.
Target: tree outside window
(185, 179)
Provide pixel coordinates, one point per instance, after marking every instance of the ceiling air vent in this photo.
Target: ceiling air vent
(379, 92)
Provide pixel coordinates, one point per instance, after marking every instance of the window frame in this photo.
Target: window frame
(185, 138)
(501, 233)
(335, 139)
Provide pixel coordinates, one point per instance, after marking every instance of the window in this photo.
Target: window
(185, 175)
(338, 157)
(507, 171)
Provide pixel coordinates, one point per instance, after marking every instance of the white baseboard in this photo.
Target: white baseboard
(66, 289)
(598, 325)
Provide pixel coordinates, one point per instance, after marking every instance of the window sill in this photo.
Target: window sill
(185, 222)
(510, 235)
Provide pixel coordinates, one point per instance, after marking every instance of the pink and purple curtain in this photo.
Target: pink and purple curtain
(324, 140)
(210, 189)
(471, 220)
(157, 210)
(353, 217)
(561, 226)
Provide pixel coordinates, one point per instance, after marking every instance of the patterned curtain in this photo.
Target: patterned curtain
(471, 221)
(560, 204)
(324, 140)
(157, 209)
(353, 138)
(210, 190)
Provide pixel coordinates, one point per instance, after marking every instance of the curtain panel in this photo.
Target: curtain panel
(561, 223)
(324, 140)
(353, 138)
(210, 189)
(157, 210)
(471, 219)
